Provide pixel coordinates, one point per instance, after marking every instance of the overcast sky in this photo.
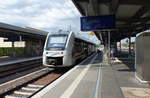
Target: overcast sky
(42, 14)
(49, 15)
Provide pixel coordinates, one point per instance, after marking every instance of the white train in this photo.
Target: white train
(64, 49)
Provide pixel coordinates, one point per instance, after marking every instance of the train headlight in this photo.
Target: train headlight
(61, 52)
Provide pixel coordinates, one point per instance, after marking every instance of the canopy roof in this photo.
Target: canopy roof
(7, 30)
(132, 16)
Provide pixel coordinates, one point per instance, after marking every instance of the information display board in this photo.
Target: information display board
(93, 23)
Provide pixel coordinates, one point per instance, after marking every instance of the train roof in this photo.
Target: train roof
(77, 36)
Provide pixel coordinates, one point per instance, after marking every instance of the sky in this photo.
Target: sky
(48, 15)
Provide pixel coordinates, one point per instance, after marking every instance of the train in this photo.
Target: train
(63, 49)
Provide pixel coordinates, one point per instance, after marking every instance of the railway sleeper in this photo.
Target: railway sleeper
(16, 96)
(25, 92)
(36, 85)
(30, 88)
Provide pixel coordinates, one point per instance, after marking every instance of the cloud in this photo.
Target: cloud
(49, 15)
(52, 14)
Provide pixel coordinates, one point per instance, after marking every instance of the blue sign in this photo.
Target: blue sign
(15, 38)
(12, 38)
(92, 23)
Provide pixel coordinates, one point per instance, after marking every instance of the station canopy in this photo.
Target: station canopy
(11, 31)
(132, 16)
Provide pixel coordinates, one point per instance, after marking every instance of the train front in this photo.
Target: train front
(54, 50)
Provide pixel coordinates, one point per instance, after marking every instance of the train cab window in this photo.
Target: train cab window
(56, 42)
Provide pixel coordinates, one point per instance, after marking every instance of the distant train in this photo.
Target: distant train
(64, 49)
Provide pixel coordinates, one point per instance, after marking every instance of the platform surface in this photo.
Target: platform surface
(18, 60)
(91, 79)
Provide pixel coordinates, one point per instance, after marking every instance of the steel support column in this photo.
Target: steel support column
(107, 50)
(13, 49)
(129, 45)
(109, 57)
(120, 45)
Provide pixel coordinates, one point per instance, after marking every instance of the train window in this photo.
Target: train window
(56, 41)
(77, 50)
(78, 47)
(59, 39)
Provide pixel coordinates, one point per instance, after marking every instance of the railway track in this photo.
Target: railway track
(17, 70)
(10, 69)
(33, 83)
(28, 85)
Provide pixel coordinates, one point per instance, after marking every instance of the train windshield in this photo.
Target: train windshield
(56, 42)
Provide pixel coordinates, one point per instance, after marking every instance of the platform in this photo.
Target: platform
(17, 60)
(92, 79)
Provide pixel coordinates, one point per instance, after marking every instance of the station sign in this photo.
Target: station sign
(94, 23)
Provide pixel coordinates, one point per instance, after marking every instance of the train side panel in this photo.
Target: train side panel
(68, 59)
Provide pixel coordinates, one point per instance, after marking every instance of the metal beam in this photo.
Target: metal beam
(78, 6)
(113, 7)
(134, 20)
(135, 2)
(137, 15)
(141, 12)
(94, 6)
(128, 2)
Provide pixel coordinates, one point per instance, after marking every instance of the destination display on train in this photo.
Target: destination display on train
(93, 23)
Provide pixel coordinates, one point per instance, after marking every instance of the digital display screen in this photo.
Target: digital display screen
(92, 23)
